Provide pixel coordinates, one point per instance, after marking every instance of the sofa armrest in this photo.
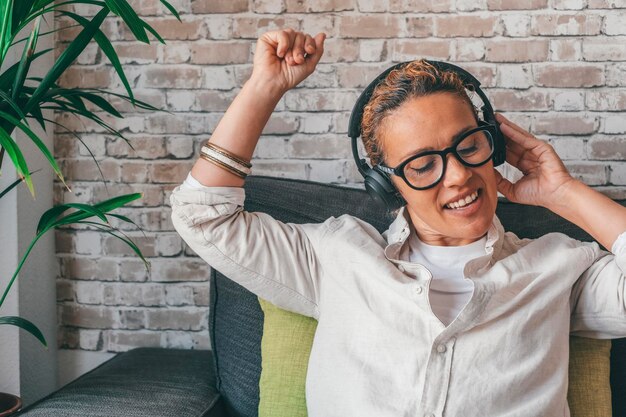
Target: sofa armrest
(143, 382)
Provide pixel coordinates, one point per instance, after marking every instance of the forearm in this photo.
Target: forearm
(601, 217)
(238, 132)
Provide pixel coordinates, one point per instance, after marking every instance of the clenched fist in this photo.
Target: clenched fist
(284, 58)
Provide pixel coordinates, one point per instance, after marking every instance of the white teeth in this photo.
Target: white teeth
(463, 201)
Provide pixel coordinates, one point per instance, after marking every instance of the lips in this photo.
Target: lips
(462, 201)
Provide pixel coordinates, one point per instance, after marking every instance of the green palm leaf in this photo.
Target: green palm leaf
(26, 325)
(27, 54)
(126, 12)
(7, 143)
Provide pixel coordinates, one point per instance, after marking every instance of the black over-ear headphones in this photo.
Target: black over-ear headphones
(377, 183)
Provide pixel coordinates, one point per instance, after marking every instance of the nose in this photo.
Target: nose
(456, 173)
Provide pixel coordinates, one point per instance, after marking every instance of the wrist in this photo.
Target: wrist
(265, 89)
(566, 197)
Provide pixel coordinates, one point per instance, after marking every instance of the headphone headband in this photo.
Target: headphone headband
(377, 183)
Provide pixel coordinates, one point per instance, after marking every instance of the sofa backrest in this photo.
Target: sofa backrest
(236, 319)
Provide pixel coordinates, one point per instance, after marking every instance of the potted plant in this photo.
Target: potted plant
(23, 99)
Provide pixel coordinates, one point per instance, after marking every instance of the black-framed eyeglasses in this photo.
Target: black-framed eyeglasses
(425, 169)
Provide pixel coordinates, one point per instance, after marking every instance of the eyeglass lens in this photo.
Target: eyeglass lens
(425, 170)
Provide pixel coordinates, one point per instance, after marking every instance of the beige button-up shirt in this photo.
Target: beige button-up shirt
(379, 350)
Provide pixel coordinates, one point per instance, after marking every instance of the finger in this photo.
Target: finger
(504, 186)
(298, 48)
(314, 58)
(503, 120)
(522, 138)
(309, 45)
(284, 42)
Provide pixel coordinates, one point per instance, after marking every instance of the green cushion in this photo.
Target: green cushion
(285, 349)
(589, 392)
(286, 346)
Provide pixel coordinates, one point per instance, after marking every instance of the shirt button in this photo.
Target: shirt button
(419, 289)
(441, 348)
(401, 268)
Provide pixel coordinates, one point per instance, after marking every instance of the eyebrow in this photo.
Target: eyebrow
(455, 137)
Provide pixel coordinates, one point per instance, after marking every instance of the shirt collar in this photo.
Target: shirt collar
(399, 230)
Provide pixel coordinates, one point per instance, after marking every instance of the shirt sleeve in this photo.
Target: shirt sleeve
(276, 261)
(598, 298)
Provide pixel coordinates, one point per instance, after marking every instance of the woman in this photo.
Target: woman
(444, 313)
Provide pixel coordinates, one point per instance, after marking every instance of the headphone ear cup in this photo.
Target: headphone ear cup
(381, 189)
(499, 146)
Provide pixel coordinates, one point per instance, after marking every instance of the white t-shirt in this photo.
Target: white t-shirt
(449, 290)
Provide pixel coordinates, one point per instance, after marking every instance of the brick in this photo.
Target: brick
(516, 50)
(88, 243)
(616, 75)
(271, 147)
(252, 27)
(218, 78)
(165, 123)
(614, 24)
(89, 268)
(124, 340)
(316, 23)
(201, 296)
(175, 53)
(91, 317)
(164, 270)
(387, 26)
(145, 147)
(618, 173)
(340, 50)
(87, 170)
(566, 24)
(615, 193)
(281, 168)
(606, 4)
(316, 123)
(131, 294)
(611, 100)
(469, 50)
(318, 146)
(419, 27)
(613, 124)
(569, 148)
(177, 319)
(281, 123)
(169, 172)
(358, 76)
(114, 246)
(589, 172)
(131, 270)
(187, 340)
(514, 76)
(179, 147)
(420, 6)
(320, 100)
(559, 124)
(512, 100)
(407, 50)
(268, 6)
(516, 4)
(569, 101)
(88, 292)
(331, 172)
(485, 73)
(190, 28)
(607, 148)
(470, 5)
(180, 76)
(515, 25)
(179, 295)
(569, 4)
(565, 50)
(371, 6)
(86, 77)
(90, 339)
(374, 50)
(64, 290)
(220, 53)
(218, 27)
(608, 49)
(205, 100)
(168, 244)
(465, 25)
(212, 6)
(130, 319)
(555, 75)
(302, 6)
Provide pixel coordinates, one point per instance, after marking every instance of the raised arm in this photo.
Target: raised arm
(547, 183)
(282, 59)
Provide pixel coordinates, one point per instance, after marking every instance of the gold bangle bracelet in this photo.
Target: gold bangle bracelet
(223, 165)
(228, 154)
(205, 150)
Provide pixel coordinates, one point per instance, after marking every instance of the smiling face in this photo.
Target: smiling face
(432, 122)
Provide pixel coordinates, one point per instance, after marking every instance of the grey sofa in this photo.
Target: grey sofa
(154, 382)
